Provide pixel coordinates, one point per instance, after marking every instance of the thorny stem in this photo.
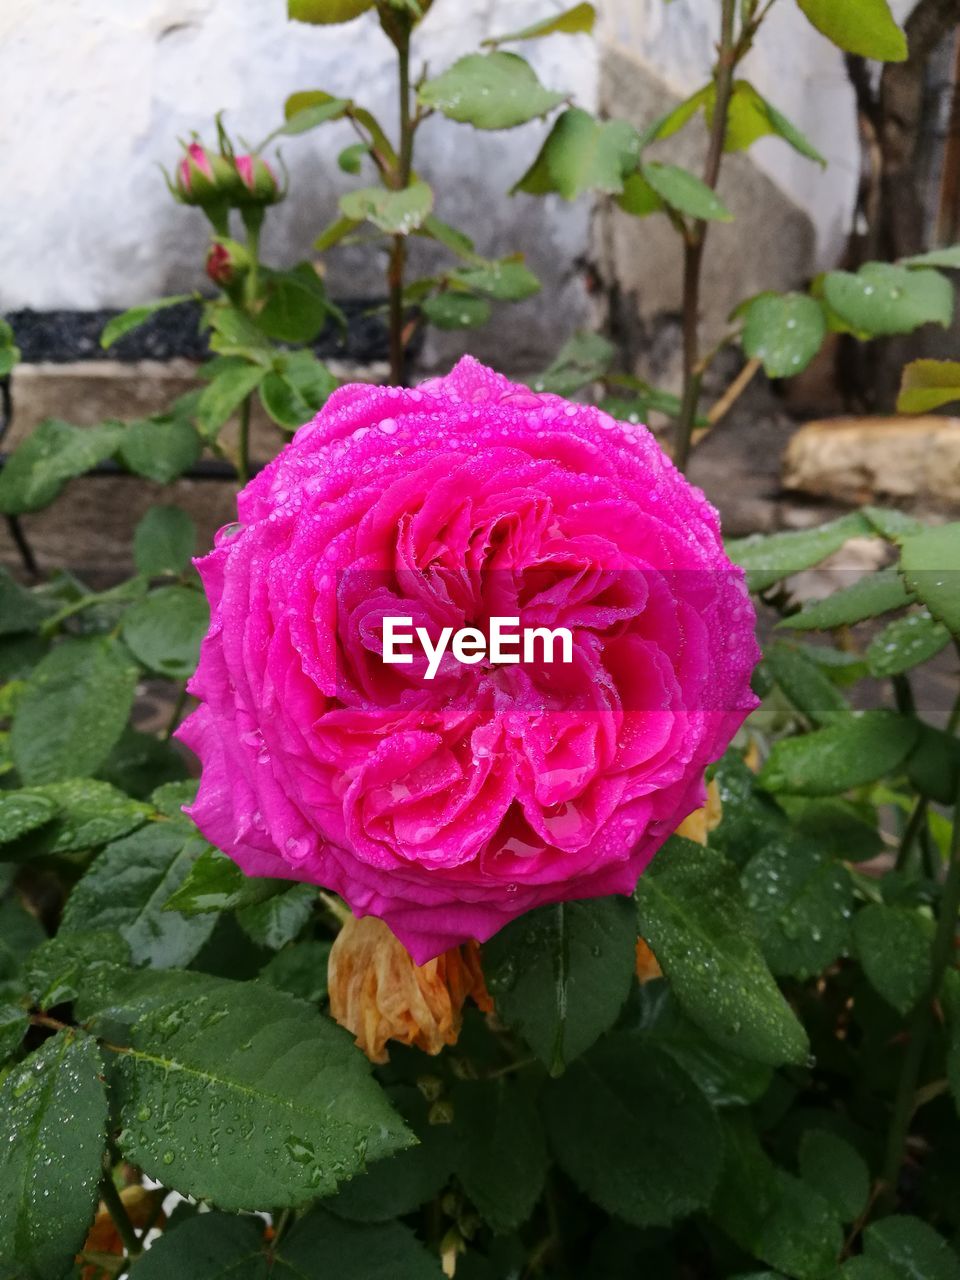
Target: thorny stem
(729, 51)
(921, 1023)
(121, 1219)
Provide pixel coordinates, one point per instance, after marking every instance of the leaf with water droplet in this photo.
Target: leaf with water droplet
(693, 915)
(238, 1076)
(127, 886)
(560, 974)
(53, 1113)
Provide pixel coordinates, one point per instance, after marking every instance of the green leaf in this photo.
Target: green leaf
(582, 154)
(893, 944)
(23, 811)
(119, 325)
(402, 1183)
(571, 22)
(164, 631)
(20, 610)
(279, 919)
(634, 1133)
(928, 385)
(160, 449)
(801, 900)
(929, 562)
(933, 766)
(456, 311)
(9, 351)
(236, 337)
(50, 456)
(560, 974)
(295, 307)
(725, 1079)
(772, 1215)
(236, 1093)
(53, 1115)
(873, 594)
(490, 91)
(836, 1170)
(911, 1248)
(850, 752)
(210, 1246)
(85, 814)
(62, 968)
(127, 887)
(73, 710)
(785, 331)
(216, 883)
(304, 111)
(456, 241)
(807, 686)
(583, 359)
(752, 117)
(685, 192)
(297, 390)
(301, 970)
(638, 198)
(768, 558)
(884, 299)
(693, 915)
(164, 541)
(506, 280)
(20, 932)
(351, 158)
(866, 27)
(395, 212)
(326, 11)
(906, 643)
(224, 395)
(349, 1251)
(14, 1024)
(501, 1154)
(217, 1246)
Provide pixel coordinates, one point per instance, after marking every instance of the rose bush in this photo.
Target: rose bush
(448, 808)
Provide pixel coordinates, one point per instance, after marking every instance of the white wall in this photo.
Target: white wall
(94, 93)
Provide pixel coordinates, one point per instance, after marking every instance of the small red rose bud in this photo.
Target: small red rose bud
(220, 266)
(259, 183)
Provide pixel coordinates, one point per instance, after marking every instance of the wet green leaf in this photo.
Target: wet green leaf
(53, 1115)
(693, 915)
(127, 886)
(73, 710)
(236, 1093)
(490, 91)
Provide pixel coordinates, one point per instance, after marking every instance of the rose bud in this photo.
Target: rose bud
(227, 262)
(259, 184)
(449, 804)
(204, 178)
(379, 994)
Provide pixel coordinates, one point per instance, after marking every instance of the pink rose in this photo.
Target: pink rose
(447, 807)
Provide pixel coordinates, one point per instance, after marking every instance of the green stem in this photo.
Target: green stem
(728, 55)
(921, 1023)
(121, 1219)
(176, 713)
(243, 450)
(398, 249)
